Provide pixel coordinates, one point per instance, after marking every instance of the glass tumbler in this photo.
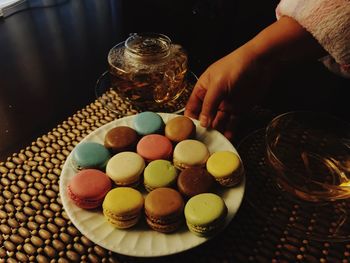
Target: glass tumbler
(309, 155)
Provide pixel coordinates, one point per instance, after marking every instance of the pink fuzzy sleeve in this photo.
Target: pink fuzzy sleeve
(329, 22)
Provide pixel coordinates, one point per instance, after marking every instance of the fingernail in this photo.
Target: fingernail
(204, 121)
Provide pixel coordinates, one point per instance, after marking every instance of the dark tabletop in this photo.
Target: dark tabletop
(51, 57)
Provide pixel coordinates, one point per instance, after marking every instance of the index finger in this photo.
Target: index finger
(194, 104)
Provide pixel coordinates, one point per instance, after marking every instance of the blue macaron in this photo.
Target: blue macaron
(148, 123)
(90, 155)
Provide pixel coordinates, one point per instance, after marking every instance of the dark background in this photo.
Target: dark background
(50, 58)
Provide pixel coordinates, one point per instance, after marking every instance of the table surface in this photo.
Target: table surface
(51, 57)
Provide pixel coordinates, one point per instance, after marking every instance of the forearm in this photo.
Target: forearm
(285, 40)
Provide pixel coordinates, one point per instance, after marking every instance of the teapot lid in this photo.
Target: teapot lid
(148, 46)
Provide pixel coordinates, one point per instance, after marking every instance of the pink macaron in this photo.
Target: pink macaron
(154, 147)
(88, 188)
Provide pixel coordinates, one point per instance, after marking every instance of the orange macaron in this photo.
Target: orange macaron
(164, 209)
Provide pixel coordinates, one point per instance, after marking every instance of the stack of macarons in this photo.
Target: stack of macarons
(157, 171)
(90, 184)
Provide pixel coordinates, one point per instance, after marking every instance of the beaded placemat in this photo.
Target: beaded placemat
(35, 228)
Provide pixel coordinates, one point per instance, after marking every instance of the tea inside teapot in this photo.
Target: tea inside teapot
(148, 68)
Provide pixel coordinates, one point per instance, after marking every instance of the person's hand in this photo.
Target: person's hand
(234, 83)
(228, 88)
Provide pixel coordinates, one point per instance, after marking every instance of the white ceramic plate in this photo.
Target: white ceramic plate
(141, 241)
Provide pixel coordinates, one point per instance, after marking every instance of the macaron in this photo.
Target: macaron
(194, 181)
(90, 155)
(164, 209)
(122, 207)
(155, 146)
(159, 173)
(88, 188)
(205, 214)
(148, 123)
(226, 168)
(121, 139)
(125, 169)
(190, 153)
(180, 128)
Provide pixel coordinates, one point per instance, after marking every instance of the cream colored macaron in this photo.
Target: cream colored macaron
(125, 168)
(225, 167)
(190, 153)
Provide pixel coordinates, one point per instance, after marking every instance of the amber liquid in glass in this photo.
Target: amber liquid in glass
(312, 174)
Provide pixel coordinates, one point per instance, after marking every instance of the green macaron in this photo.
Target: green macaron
(159, 173)
(205, 214)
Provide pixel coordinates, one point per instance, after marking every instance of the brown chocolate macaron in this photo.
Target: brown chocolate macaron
(194, 181)
(180, 128)
(164, 209)
(120, 139)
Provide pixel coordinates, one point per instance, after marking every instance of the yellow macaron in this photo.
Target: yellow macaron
(225, 167)
(122, 207)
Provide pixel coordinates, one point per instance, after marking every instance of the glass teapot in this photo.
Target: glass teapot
(148, 69)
